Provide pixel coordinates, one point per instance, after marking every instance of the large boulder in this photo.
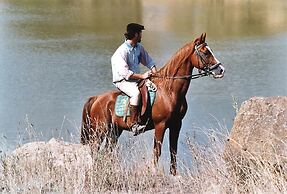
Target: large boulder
(39, 167)
(258, 137)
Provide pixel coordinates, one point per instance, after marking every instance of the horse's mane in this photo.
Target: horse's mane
(172, 66)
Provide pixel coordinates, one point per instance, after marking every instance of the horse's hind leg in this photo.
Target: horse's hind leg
(86, 128)
(96, 141)
(86, 131)
(113, 136)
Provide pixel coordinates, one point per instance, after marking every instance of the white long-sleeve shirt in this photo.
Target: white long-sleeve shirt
(126, 59)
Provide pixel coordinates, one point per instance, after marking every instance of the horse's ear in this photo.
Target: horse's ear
(198, 40)
(203, 36)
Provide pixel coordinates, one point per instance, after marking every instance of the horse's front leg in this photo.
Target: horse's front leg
(158, 139)
(173, 140)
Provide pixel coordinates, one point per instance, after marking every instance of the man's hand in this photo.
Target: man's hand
(142, 76)
(146, 75)
(153, 70)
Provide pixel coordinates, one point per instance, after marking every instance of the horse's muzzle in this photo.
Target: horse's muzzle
(218, 72)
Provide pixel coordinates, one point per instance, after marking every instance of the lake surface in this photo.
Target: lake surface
(55, 54)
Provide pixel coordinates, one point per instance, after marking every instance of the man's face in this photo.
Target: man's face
(138, 37)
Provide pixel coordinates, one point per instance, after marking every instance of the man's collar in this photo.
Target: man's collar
(128, 43)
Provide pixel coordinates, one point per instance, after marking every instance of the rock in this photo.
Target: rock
(58, 152)
(45, 167)
(258, 136)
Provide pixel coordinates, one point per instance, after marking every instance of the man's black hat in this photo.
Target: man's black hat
(134, 27)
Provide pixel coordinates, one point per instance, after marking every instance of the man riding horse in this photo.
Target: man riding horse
(99, 119)
(126, 70)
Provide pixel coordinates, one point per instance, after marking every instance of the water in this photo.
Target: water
(56, 53)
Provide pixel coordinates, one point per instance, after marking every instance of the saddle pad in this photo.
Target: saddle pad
(122, 103)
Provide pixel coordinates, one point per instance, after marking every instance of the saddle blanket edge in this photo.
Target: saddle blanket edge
(122, 102)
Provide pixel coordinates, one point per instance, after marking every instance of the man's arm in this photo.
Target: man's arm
(120, 67)
(146, 60)
(140, 76)
(153, 70)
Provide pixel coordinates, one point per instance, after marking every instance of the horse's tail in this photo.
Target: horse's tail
(86, 121)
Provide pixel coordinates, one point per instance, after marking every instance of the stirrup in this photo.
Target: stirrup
(137, 128)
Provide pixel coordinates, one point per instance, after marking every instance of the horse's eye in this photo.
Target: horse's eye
(206, 52)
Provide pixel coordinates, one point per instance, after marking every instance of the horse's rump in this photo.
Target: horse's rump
(95, 112)
(85, 128)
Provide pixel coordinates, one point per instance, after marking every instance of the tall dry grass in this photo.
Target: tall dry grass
(115, 172)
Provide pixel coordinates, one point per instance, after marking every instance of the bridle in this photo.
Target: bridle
(206, 66)
(205, 71)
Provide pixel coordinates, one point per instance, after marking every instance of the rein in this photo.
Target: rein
(206, 69)
(185, 77)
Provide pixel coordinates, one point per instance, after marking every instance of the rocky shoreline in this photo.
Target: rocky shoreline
(257, 142)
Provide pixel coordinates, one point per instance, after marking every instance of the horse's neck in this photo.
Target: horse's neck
(172, 67)
(179, 66)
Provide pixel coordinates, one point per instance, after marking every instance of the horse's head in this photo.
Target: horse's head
(204, 59)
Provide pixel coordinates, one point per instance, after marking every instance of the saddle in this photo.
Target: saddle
(147, 90)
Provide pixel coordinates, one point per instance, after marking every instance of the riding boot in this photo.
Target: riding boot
(135, 126)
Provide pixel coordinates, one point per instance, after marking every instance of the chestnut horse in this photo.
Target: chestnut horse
(172, 81)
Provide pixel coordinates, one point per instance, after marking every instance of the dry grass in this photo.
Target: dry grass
(115, 172)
